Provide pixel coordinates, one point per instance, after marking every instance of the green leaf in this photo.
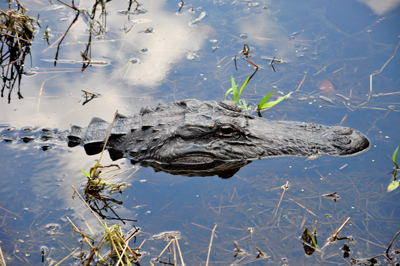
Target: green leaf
(84, 172)
(264, 100)
(312, 238)
(273, 103)
(227, 92)
(244, 85)
(235, 93)
(392, 186)
(394, 157)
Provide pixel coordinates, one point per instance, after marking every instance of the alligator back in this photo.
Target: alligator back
(193, 132)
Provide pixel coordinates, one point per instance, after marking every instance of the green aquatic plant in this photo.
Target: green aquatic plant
(263, 105)
(95, 183)
(236, 94)
(394, 184)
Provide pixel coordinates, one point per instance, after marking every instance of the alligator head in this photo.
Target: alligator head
(197, 137)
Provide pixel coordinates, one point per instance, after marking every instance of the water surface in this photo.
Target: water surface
(160, 55)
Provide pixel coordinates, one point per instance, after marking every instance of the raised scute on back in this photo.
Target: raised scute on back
(230, 105)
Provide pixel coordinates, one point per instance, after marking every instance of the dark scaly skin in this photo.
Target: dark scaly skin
(194, 134)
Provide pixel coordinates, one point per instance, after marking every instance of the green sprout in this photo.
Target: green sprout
(394, 184)
(236, 94)
(263, 105)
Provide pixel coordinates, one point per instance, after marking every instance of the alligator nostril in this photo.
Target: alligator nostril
(343, 131)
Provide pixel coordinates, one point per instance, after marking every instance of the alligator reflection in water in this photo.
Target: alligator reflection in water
(196, 138)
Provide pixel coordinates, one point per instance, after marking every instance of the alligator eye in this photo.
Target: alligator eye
(227, 131)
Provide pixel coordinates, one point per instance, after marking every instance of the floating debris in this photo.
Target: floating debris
(333, 196)
(148, 30)
(134, 60)
(167, 235)
(313, 157)
(326, 87)
(200, 17)
(276, 60)
(326, 99)
(193, 56)
(343, 97)
(260, 253)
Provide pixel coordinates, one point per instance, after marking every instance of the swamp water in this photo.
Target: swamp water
(161, 53)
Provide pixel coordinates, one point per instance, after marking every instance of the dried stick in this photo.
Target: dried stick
(2, 258)
(120, 259)
(64, 259)
(164, 249)
(87, 205)
(301, 83)
(285, 187)
(387, 250)
(209, 247)
(108, 136)
(378, 72)
(88, 92)
(179, 249)
(334, 237)
(127, 247)
(115, 247)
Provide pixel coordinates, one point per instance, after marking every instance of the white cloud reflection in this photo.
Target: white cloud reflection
(381, 6)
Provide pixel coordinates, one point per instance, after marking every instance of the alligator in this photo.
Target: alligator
(202, 138)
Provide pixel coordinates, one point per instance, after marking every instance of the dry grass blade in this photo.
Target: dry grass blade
(3, 262)
(209, 247)
(179, 250)
(64, 259)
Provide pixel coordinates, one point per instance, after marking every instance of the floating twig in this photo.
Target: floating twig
(235, 59)
(162, 252)
(75, 61)
(301, 83)
(2, 258)
(284, 187)
(257, 68)
(238, 249)
(88, 92)
(64, 259)
(260, 253)
(179, 250)
(210, 245)
(334, 236)
(272, 64)
(378, 72)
